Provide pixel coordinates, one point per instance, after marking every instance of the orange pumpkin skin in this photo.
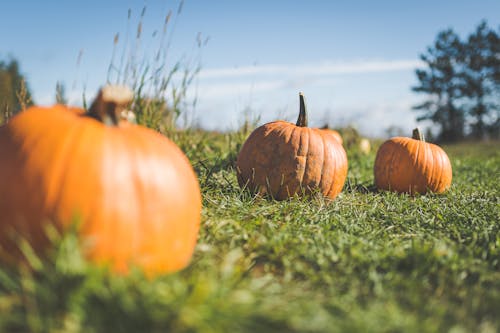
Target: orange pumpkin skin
(408, 165)
(133, 190)
(282, 159)
(335, 134)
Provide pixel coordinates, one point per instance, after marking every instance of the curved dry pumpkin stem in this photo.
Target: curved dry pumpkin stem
(110, 102)
(302, 120)
(417, 135)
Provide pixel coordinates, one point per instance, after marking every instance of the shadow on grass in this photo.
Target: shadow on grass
(353, 187)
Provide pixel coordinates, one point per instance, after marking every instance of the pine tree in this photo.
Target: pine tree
(462, 84)
(482, 81)
(441, 81)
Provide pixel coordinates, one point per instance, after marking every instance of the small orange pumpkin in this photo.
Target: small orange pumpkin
(133, 190)
(284, 159)
(365, 146)
(412, 165)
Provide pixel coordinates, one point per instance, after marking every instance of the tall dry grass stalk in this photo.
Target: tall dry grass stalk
(161, 84)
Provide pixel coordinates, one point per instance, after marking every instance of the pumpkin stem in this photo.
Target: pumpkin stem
(109, 104)
(417, 135)
(302, 120)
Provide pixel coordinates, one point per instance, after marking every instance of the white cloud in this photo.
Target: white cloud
(224, 89)
(377, 97)
(323, 68)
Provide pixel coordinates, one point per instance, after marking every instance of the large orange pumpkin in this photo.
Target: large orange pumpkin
(412, 165)
(284, 159)
(134, 192)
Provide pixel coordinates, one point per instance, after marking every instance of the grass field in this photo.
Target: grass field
(366, 262)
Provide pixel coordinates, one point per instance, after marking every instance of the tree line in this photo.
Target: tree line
(14, 91)
(461, 81)
(15, 94)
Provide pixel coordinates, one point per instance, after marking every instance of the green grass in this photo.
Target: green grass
(367, 262)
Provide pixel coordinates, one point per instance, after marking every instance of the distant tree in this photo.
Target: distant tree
(14, 91)
(61, 93)
(442, 82)
(482, 81)
(461, 81)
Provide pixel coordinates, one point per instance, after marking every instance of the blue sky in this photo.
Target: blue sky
(354, 60)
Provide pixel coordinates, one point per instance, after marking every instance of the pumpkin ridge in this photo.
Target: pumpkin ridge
(64, 157)
(323, 165)
(71, 173)
(409, 150)
(436, 170)
(342, 156)
(334, 165)
(304, 178)
(390, 169)
(110, 151)
(159, 231)
(298, 179)
(137, 150)
(33, 141)
(386, 171)
(53, 192)
(295, 182)
(140, 193)
(279, 136)
(406, 148)
(426, 167)
(97, 226)
(431, 170)
(283, 135)
(414, 148)
(124, 148)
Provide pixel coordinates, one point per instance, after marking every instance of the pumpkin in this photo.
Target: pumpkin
(133, 191)
(283, 159)
(364, 146)
(334, 133)
(411, 165)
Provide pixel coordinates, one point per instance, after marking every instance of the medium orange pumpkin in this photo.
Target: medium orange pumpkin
(412, 165)
(133, 190)
(284, 159)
